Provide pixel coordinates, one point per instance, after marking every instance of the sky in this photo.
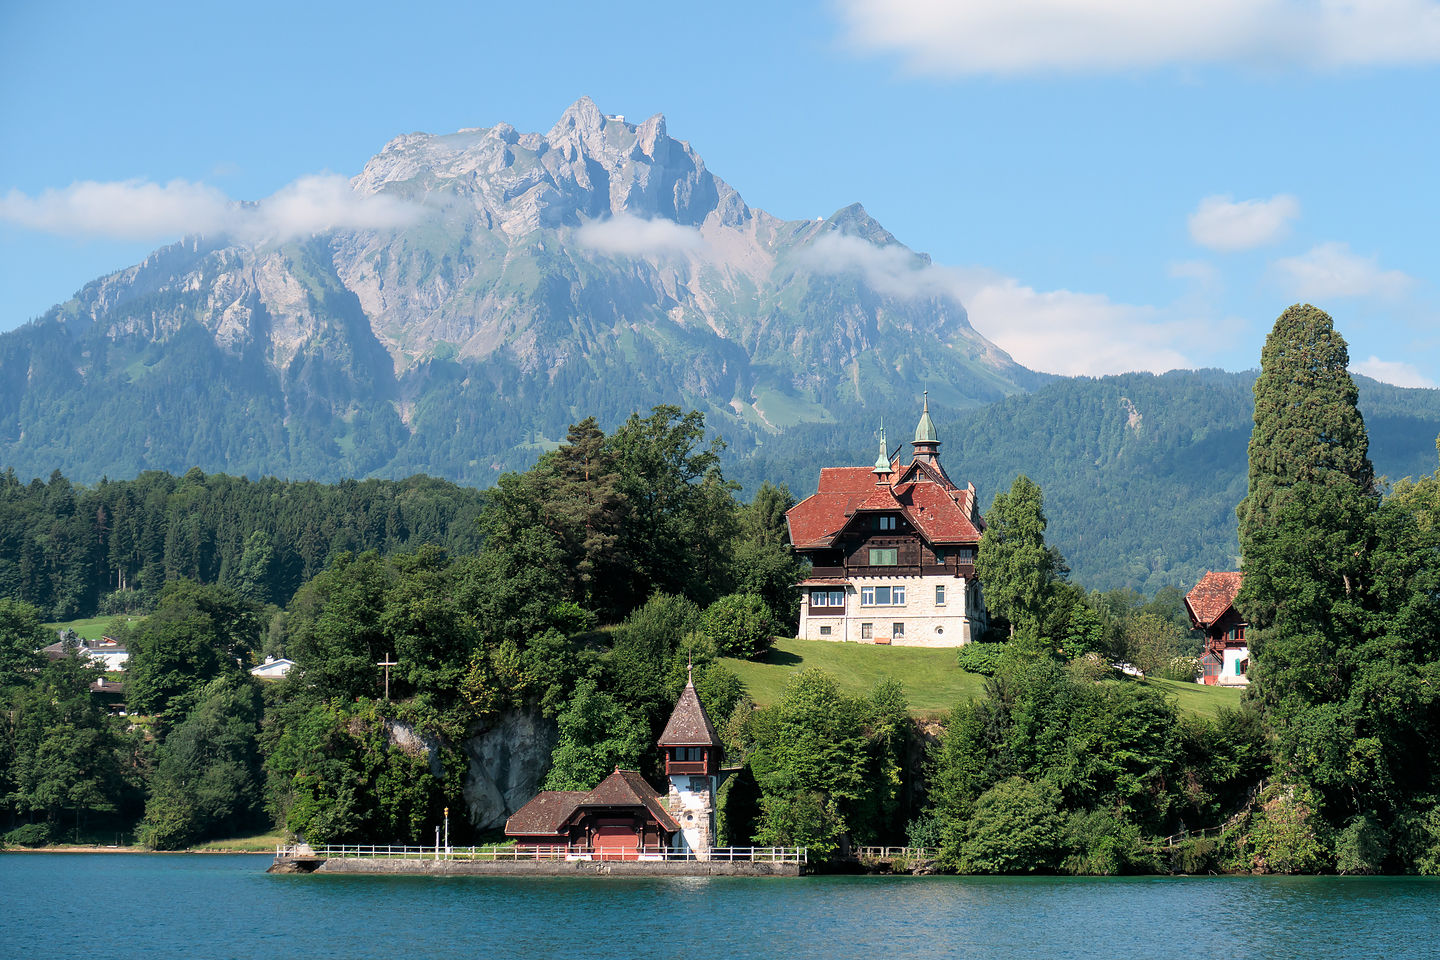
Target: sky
(1108, 185)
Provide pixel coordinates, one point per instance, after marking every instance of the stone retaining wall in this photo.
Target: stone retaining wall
(547, 868)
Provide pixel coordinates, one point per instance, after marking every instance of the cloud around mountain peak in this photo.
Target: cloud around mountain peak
(144, 210)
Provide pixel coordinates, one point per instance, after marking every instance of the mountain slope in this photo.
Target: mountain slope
(599, 268)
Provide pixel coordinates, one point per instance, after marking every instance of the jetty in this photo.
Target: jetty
(538, 861)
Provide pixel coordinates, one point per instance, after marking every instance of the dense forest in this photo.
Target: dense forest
(75, 551)
(620, 559)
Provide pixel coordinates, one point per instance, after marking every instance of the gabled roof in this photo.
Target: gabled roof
(689, 725)
(942, 512)
(549, 812)
(545, 814)
(1212, 596)
(626, 788)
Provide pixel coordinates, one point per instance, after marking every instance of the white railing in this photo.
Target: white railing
(896, 853)
(517, 853)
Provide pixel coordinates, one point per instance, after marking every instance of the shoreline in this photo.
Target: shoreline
(90, 848)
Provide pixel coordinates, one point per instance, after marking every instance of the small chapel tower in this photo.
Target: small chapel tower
(692, 764)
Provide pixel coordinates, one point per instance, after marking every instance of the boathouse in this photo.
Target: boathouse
(624, 817)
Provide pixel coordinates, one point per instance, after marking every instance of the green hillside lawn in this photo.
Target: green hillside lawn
(933, 683)
(92, 629)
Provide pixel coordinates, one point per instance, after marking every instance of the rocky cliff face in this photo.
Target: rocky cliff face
(596, 268)
(508, 763)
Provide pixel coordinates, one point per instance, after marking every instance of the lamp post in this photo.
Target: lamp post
(447, 831)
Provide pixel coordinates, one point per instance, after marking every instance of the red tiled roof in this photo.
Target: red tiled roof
(943, 513)
(545, 814)
(689, 725)
(626, 788)
(1212, 596)
(823, 582)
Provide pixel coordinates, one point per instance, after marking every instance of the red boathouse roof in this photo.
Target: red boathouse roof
(548, 814)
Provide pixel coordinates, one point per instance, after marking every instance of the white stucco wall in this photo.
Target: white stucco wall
(927, 623)
(1230, 671)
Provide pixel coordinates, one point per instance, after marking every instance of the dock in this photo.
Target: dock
(517, 861)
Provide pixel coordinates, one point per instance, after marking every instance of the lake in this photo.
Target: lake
(208, 907)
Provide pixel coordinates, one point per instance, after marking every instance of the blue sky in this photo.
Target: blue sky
(1114, 184)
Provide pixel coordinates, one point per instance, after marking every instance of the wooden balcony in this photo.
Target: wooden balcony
(695, 768)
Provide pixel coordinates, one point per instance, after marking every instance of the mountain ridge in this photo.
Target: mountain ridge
(511, 283)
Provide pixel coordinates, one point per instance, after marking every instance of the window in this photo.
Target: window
(885, 523)
(884, 556)
(827, 598)
(1242, 667)
(867, 631)
(824, 631)
(897, 630)
(882, 596)
(940, 595)
(837, 598)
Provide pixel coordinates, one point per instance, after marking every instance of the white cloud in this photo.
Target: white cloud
(1074, 334)
(893, 270)
(627, 235)
(1394, 372)
(1222, 224)
(967, 37)
(1058, 331)
(141, 210)
(1331, 270)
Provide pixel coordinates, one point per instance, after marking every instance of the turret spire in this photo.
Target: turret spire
(882, 462)
(927, 441)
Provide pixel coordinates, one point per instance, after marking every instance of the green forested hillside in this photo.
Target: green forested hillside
(1141, 473)
(72, 550)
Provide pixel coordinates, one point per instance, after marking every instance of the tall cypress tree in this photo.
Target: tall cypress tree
(1311, 488)
(1308, 429)
(1331, 583)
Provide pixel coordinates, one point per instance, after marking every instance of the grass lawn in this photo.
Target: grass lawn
(933, 683)
(260, 843)
(91, 629)
(1198, 697)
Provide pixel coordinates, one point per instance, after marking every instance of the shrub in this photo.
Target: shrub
(1103, 845)
(1017, 828)
(1288, 836)
(29, 835)
(740, 625)
(1361, 847)
(981, 658)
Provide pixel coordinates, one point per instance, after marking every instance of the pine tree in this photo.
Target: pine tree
(1017, 569)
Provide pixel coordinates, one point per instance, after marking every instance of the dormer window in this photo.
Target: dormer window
(885, 523)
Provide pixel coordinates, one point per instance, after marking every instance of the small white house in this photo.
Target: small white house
(272, 669)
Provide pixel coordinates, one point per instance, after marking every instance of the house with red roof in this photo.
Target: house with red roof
(624, 818)
(892, 551)
(1211, 605)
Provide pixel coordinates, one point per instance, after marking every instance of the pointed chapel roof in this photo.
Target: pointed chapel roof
(689, 725)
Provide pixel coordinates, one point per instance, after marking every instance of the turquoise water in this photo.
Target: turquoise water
(77, 906)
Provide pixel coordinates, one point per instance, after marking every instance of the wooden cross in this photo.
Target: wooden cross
(387, 663)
